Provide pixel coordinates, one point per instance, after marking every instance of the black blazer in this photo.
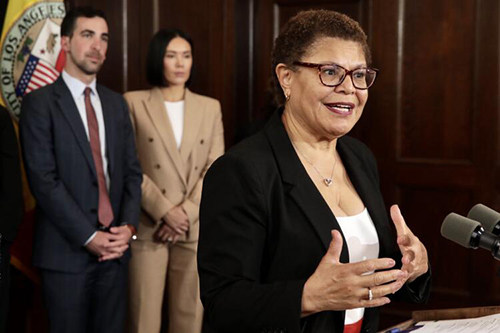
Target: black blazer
(62, 175)
(264, 227)
(11, 191)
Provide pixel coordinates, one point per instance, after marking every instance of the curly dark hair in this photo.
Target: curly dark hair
(305, 28)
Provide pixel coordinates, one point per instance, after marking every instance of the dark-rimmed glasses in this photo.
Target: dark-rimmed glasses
(332, 75)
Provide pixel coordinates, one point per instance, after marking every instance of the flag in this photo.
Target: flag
(30, 58)
(30, 48)
(44, 64)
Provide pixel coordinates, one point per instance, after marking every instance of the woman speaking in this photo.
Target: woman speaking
(294, 232)
(178, 134)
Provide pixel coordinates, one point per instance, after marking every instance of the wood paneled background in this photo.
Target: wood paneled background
(431, 119)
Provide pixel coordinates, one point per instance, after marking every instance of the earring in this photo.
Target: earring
(287, 97)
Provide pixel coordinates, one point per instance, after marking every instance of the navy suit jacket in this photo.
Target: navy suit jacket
(11, 194)
(264, 228)
(62, 175)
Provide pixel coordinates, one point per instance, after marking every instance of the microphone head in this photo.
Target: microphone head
(486, 216)
(459, 229)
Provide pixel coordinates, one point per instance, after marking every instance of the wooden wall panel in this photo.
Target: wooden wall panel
(434, 53)
(284, 10)
(440, 148)
(376, 126)
(142, 23)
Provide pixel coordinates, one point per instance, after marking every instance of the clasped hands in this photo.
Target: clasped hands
(173, 225)
(110, 245)
(337, 286)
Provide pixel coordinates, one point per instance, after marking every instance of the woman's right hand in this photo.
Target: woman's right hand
(337, 286)
(177, 219)
(166, 234)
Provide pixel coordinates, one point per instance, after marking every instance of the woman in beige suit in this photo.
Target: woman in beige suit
(179, 134)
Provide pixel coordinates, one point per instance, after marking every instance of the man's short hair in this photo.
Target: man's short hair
(68, 23)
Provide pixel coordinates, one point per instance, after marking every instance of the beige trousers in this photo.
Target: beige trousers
(153, 268)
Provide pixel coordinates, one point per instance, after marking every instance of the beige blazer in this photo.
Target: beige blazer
(173, 176)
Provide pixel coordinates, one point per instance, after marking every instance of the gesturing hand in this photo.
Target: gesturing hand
(337, 286)
(415, 260)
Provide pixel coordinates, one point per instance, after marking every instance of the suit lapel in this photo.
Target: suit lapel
(70, 112)
(368, 191)
(309, 199)
(193, 116)
(109, 125)
(155, 106)
(302, 189)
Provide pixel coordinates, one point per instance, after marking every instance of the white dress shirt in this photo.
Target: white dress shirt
(175, 111)
(77, 89)
(362, 244)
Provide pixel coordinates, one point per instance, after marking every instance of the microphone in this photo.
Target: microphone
(489, 219)
(469, 234)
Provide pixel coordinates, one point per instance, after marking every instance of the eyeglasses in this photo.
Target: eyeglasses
(332, 75)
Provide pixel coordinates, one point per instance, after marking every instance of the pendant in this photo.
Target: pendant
(328, 181)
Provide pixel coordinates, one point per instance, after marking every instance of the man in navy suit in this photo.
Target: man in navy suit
(81, 163)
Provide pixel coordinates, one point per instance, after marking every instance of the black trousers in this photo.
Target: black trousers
(92, 301)
(4, 283)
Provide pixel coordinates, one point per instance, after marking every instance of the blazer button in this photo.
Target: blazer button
(163, 191)
(202, 141)
(196, 168)
(157, 166)
(150, 139)
(93, 210)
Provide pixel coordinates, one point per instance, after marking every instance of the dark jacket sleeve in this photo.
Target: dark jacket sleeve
(233, 223)
(36, 129)
(131, 198)
(419, 290)
(11, 196)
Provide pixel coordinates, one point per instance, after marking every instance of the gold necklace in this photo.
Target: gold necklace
(326, 181)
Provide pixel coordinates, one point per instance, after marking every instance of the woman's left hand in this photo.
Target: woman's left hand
(415, 260)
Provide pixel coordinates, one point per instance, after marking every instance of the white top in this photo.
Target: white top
(362, 243)
(175, 111)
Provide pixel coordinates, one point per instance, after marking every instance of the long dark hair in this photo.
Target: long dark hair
(156, 53)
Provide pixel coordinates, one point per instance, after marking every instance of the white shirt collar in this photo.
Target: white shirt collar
(77, 87)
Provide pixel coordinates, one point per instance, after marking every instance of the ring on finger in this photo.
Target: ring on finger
(370, 294)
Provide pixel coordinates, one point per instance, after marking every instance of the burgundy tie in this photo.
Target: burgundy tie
(105, 212)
